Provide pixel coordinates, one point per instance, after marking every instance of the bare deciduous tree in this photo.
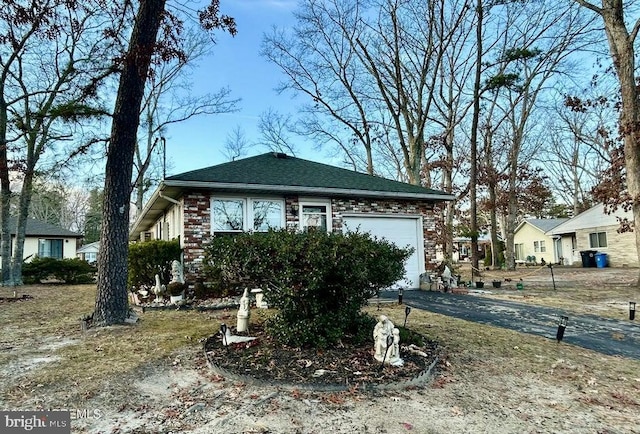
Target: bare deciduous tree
(167, 101)
(40, 99)
(622, 49)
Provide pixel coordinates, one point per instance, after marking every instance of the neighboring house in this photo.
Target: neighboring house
(89, 252)
(274, 190)
(462, 249)
(596, 230)
(531, 239)
(46, 240)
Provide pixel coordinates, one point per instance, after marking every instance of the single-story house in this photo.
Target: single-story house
(531, 240)
(597, 231)
(274, 190)
(462, 248)
(89, 252)
(46, 240)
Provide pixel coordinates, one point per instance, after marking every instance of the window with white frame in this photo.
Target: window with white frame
(227, 215)
(267, 214)
(539, 246)
(315, 216)
(598, 239)
(246, 214)
(519, 251)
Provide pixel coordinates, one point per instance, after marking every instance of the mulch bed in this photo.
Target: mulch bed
(342, 365)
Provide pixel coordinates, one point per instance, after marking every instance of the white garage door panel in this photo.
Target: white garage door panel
(402, 232)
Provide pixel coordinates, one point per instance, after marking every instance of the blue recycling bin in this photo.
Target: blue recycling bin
(601, 260)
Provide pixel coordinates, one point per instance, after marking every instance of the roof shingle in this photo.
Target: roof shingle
(274, 169)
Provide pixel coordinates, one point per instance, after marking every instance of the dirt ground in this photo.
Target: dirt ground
(490, 380)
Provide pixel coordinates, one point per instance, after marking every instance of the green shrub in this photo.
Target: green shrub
(71, 271)
(318, 281)
(146, 259)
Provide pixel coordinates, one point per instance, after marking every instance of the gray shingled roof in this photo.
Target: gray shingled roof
(546, 225)
(272, 169)
(37, 228)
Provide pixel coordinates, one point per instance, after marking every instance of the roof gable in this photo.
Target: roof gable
(281, 170)
(591, 218)
(543, 225)
(37, 228)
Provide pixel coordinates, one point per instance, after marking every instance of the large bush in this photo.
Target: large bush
(70, 271)
(148, 258)
(317, 281)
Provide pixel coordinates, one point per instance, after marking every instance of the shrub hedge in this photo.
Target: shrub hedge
(146, 259)
(71, 271)
(318, 281)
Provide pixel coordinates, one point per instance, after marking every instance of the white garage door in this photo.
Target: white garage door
(402, 232)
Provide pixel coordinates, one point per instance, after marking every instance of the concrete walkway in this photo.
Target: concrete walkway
(605, 335)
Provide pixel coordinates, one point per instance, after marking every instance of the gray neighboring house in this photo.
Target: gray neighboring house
(89, 252)
(46, 240)
(596, 230)
(274, 190)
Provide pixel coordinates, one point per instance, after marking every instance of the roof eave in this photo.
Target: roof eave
(308, 190)
(157, 197)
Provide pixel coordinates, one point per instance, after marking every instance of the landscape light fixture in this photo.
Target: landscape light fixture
(632, 310)
(223, 332)
(562, 324)
(552, 278)
(389, 343)
(407, 311)
(400, 291)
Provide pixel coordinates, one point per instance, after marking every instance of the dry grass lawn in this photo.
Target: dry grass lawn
(46, 361)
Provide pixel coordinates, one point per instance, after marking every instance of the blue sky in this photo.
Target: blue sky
(235, 63)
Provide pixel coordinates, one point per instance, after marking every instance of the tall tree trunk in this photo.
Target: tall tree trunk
(473, 155)
(21, 228)
(111, 299)
(5, 195)
(621, 47)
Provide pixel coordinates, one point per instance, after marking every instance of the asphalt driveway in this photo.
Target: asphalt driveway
(605, 335)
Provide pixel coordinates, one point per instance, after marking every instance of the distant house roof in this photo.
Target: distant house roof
(38, 228)
(596, 216)
(91, 247)
(276, 173)
(545, 225)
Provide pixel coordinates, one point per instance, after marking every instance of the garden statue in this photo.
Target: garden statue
(229, 339)
(394, 351)
(176, 272)
(243, 312)
(448, 280)
(260, 303)
(159, 289)
(382, 330)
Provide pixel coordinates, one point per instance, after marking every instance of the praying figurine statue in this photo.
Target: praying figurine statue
(243, 313)
(382, 330)
(394, 351)
(176, 272)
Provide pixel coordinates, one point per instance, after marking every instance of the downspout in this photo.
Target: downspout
(170, 199)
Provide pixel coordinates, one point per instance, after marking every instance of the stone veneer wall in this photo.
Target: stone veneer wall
(621, 247)
(197, 222)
